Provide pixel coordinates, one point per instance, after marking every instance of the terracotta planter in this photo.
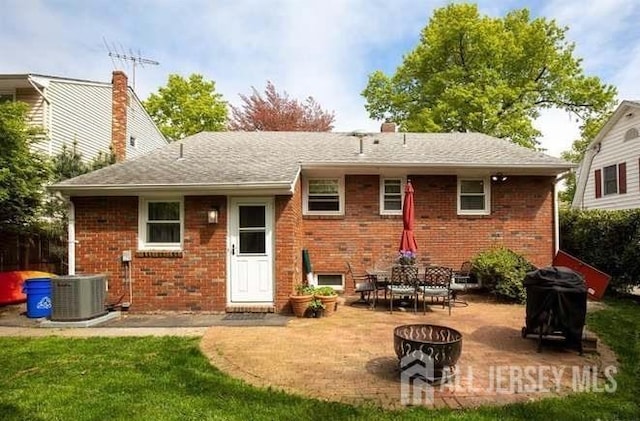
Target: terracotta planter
(300, 303)
(330, 303)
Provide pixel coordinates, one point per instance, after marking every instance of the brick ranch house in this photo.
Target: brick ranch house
(217, 221)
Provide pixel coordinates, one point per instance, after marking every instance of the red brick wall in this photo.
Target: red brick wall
(521, 219)
(288, 239)
(119, 99)
(193, 280)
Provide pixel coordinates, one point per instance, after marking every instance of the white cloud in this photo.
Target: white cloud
(324, 49)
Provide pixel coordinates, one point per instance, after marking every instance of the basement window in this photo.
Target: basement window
(161, 224)
(335, 281)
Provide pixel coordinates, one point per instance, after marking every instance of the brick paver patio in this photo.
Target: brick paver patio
(349, 357)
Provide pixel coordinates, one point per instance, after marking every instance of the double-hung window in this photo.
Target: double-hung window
(161, 224)
(391, 196)
(324, 196)
(610, 181)
(474, 196)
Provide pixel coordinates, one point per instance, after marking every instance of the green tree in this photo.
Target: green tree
(54, 211)
(490, 75)
(588, 131)
(187, 106)
(23, 172)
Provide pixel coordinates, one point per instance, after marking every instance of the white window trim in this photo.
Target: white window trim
(616, 172)
(403, 183)
(487, 196)
(335, 287)
(305, 197)
(142, 224)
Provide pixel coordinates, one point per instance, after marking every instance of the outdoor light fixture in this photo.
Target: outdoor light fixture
(499, 177)
(212, 216)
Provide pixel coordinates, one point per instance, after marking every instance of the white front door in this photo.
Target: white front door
(251, 250)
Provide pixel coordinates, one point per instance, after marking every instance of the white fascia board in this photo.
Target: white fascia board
(183, 189)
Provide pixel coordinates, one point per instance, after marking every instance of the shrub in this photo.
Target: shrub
(502, 271)
(608, 240)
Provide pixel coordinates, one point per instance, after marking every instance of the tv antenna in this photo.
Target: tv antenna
(123, 58)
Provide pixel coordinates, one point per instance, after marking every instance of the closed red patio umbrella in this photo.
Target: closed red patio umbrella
(408, 241)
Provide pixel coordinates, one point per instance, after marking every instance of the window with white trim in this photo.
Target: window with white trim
(474, 196)
(324, 196)
(391, 195)
(610, 179)
(161, 224)
(333, 280)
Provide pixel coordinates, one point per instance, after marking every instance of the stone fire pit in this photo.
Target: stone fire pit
(423, 342)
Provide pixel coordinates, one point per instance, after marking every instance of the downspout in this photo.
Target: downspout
(71, 240)
(556, 213)
(47, 117)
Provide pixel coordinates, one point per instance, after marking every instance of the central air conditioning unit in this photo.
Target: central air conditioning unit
(78, 297)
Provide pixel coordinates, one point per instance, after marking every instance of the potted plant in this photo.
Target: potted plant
(328, 297)
(300, 301)
(316, 308)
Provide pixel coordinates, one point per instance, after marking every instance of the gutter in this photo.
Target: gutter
(205, 188)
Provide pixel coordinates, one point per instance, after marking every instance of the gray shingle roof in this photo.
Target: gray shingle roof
(263, 158)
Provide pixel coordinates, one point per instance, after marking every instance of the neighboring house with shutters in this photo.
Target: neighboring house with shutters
(609, 175)
(218, 221)
(96, 116)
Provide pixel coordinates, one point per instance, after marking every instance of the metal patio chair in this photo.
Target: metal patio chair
(362, 283)
(436, 285)
(460, 283)
(404, 279)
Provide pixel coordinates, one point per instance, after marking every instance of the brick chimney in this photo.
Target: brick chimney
(119, 100)
(388, 128)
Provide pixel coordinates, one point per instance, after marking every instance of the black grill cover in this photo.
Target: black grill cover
(556, 302)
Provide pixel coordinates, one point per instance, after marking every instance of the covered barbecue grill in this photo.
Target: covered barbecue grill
(556, 305)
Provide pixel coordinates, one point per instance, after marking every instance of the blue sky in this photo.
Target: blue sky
(320, 48)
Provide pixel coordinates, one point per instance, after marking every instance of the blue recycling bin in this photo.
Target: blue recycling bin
(38, 292)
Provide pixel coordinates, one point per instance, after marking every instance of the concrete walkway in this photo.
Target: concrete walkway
(13, 322)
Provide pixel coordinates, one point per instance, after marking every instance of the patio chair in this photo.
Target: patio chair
(404, 279)
(362, 283)
(436, 284)
(460, 283)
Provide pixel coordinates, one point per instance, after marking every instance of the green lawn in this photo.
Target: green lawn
(169, 379)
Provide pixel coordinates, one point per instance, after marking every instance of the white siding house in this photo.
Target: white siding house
(81, 111)
(609, 175)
